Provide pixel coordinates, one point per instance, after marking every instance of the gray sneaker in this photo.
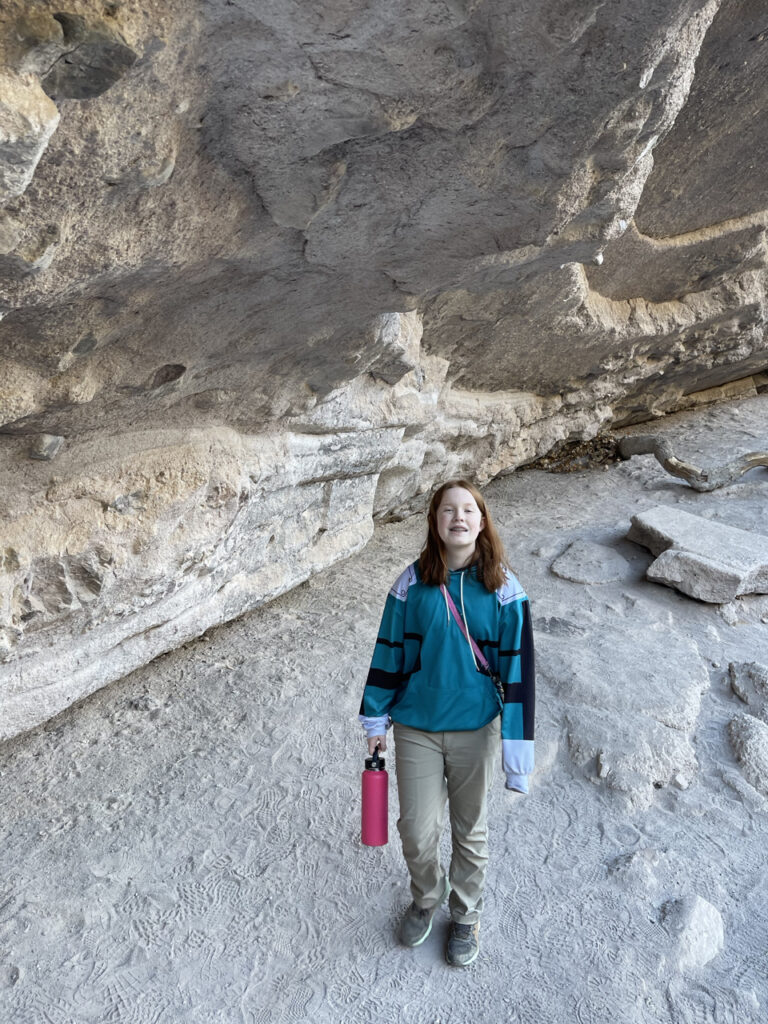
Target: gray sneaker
(417, 921)
(463, 944)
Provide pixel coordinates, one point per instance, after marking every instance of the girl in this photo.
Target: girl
(455, 608)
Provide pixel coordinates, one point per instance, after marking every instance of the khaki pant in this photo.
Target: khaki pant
(433, 766)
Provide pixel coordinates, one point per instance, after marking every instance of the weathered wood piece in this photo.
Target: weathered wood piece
(701, 479)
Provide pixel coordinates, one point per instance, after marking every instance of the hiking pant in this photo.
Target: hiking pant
(433, 766)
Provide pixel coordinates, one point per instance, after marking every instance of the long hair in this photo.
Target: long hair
(490, 557)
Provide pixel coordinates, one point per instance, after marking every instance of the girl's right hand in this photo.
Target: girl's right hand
(374, 741)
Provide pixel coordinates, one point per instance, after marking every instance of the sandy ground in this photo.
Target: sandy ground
(184, 846)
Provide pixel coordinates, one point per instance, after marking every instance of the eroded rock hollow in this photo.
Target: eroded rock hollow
(270, 270)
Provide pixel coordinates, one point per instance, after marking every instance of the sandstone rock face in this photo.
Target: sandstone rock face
(273, 269)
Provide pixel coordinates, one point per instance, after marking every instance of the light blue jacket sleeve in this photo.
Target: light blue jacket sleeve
(517, 669)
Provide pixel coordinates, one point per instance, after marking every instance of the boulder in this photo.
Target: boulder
(94, 57)
(703, 559)
(696, 928)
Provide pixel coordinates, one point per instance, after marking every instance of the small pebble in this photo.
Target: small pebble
(46, 447)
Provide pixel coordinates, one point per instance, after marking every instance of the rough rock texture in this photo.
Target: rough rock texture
(587, 562)
(394, 240)
(143, 551)
(697, 927)
(631, 701)
(749, 739)
(27, 121)
(749, 681)
(705, 560)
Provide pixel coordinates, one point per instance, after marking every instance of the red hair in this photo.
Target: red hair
(490, 557)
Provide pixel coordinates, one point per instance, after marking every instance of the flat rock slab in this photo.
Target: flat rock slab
(702, 559)
(631, 700)
(587, 562)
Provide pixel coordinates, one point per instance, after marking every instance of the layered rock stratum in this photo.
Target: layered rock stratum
(270, 270)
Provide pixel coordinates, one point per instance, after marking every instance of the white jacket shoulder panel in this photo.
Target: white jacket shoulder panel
(406, 579)
(510, 590)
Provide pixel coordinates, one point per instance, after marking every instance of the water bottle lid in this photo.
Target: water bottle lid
(375, 763)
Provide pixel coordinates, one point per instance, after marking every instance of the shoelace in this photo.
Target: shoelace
(462, 930)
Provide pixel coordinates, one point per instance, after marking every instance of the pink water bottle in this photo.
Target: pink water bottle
(375, 803)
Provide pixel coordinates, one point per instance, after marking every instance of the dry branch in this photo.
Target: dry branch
(700, 479)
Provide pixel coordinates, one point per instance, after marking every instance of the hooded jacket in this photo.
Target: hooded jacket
(423, 673)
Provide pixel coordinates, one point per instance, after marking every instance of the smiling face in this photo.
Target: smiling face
(459, 521)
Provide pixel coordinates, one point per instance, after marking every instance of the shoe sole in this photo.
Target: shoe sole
(418, 942)
(462, 963)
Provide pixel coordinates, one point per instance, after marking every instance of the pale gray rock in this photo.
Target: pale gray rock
(28, 119)
(717, 189)
(583, 561)
(29, 253)
(697, 929)
(148, 175)
(223, 526)
(636, 872)
(671, 269)
(46, 447)
(700, 558)
(632, 698)
(730, 613)
(707, 579)
(749, 681)
(749, 739)
(10, 234)
(37, 252)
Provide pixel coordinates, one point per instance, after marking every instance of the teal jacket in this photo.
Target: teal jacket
(423, 674)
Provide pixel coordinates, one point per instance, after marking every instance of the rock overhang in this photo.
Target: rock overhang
(433, 239)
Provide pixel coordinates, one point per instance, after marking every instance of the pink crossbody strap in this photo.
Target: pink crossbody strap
(497, 684)
(454, 611)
